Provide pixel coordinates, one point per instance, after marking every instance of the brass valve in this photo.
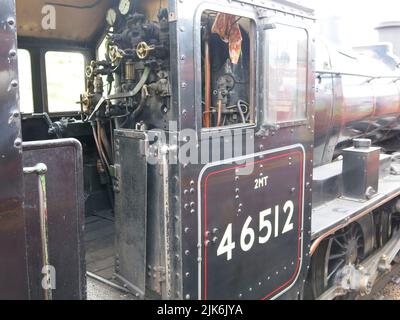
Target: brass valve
(143, 50)
(114, 53)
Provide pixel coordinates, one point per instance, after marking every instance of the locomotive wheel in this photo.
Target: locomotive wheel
(343, 248)
(384, 229)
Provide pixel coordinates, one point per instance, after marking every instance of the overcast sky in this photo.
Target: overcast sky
(358, 17)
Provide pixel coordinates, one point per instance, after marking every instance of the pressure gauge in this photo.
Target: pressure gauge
(111, 17)
(125, 6)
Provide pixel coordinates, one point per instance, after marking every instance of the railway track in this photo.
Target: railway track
(378, 292)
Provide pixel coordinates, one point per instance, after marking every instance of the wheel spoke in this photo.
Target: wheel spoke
(335, 269)
(339, 243)
(337, 256)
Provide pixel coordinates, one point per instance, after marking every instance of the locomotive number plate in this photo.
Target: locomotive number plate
(250, 226)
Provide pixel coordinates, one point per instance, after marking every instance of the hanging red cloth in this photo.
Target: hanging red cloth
(227, 27)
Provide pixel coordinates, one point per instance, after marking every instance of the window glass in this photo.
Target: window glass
(287, 74)
(226, 59)
(65, 80)
(102, 50)
(25, 81)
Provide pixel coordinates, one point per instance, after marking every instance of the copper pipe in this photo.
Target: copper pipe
(207, 119)
(105, 143)
(100, 151)
(101, 144)
(219, 113)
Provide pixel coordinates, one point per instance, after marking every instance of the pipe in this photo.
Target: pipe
(103, 153)
(239, 105)
(207, 118)
(104, 141)
(99, 150)
(106, 282)
(219, 113)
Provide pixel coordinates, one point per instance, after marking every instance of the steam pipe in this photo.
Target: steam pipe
(219, 113)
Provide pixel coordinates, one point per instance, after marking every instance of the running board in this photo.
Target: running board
(362, 278)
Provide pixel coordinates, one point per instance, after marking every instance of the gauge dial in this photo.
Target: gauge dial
(111, 17)
(125, 6)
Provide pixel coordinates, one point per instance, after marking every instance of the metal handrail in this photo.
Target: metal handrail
(40, 170)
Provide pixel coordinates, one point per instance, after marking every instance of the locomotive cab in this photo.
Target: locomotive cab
(127, 79)
(196, 150)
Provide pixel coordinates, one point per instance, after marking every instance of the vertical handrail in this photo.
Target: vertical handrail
(40, 170)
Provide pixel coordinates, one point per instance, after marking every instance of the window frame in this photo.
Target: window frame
(254, 52)
(264, 96)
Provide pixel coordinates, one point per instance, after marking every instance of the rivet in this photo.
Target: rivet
(11, 21)
(18, 143)
(14, 83)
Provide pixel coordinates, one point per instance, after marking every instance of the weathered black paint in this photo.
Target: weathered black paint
(265, 271)
(13, 266)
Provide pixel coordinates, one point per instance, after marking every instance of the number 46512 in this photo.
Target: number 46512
(266, 229)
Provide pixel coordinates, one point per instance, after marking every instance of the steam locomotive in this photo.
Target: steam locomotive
(221, 151)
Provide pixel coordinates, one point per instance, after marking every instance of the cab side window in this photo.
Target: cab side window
(286, 70)
(25, 81)
(227, 63)
(65, 80)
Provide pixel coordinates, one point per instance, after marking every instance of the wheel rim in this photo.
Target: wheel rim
(345, 248)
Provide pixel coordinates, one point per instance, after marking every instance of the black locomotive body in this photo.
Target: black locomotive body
(222, 158)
